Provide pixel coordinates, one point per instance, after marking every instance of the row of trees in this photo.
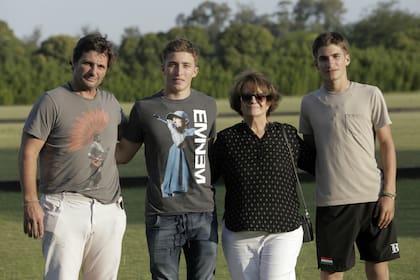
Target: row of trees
(384, 49)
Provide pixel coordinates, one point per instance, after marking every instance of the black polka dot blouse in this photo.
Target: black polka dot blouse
(259, 178)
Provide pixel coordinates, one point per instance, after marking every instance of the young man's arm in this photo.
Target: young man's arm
(126, 150)
(33, 219)
(386, 204)
(309, 139)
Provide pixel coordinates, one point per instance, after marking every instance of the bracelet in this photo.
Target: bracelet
(389, 194)
(30, 202)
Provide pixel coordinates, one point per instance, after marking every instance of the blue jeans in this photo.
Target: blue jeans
(194, 233)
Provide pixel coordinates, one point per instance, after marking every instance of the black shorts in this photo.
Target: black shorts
(339, 227)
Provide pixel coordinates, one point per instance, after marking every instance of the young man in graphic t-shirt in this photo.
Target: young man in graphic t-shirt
(176, 126)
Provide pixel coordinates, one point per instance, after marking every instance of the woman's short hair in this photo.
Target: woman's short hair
(257, 80)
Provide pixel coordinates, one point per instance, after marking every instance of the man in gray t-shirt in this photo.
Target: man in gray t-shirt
(176, 126)
(73, 130)
(355, 199)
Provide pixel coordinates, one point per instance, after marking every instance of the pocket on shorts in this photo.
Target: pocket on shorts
(52, 206)
(162, 222)
(51, 203)
(120, 203)
(152, 220)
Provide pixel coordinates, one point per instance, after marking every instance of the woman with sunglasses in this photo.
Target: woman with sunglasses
(261, 230)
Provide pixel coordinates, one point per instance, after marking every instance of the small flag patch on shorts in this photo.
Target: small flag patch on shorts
(327, 261)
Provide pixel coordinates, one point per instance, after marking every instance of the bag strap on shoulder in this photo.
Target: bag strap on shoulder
(298, 185)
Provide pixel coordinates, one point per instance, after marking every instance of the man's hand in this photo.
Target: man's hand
(385, 211)
(33, 219)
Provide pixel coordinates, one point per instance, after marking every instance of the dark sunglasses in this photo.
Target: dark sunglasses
(258, 96)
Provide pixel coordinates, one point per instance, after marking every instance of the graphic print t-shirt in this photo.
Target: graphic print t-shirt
(80, 136)
(175, 134)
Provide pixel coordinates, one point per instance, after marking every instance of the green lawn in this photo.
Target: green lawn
(405, 132)
(22, 259)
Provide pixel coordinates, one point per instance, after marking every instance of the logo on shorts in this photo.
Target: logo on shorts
(394, 247)
(327, 261)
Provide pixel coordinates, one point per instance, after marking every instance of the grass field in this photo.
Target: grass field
(405, 132)
(21, 257)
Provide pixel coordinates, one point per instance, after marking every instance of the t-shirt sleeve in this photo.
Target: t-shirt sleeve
(41, 118)
(133, 131)
(380, 115)
(304, 122)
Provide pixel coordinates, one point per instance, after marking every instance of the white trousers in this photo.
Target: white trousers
(261, 255)
(81, 233)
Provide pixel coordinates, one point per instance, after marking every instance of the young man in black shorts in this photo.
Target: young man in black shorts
(355, 199)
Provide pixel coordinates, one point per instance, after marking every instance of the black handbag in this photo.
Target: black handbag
(308, 233)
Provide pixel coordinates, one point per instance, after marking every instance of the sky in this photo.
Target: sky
(55, 17)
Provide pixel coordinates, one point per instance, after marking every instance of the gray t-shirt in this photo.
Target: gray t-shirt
(343, 127)
(176, 135)
(80, 136)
